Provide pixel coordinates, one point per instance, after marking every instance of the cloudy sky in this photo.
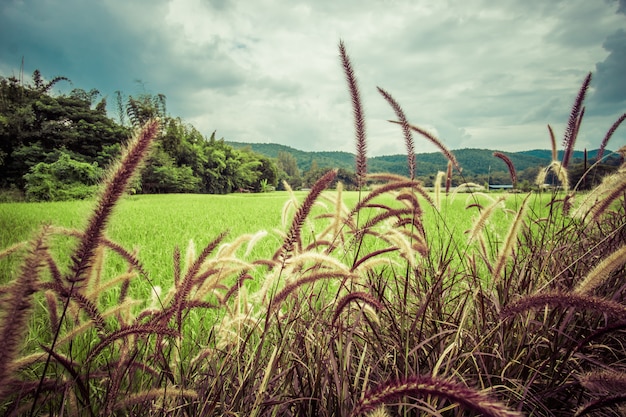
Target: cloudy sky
(478, 73)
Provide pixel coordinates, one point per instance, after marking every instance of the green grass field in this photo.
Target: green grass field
(156, 224)
(342, 298)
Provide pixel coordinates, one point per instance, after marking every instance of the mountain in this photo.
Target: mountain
(304, 159)
(473, 161)
(547, 154)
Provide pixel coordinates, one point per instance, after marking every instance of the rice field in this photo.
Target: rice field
(347, 306)
(156, 224)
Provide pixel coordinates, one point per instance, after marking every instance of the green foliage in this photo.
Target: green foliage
(11, 194)
(63, 179)
(288, 171)
(144, 107)
(35, 124)
(479, 165)
(162, 176)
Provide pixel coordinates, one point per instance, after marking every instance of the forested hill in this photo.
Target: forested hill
(473, 161)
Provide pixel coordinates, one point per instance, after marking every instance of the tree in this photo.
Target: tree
(288, 170)
(348, 178)
(86, 96)
(287, 162)
(313, 174)
(268, 174)
(41, 85)
(37, 127)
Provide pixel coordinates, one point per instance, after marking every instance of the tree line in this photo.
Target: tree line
(57, 146)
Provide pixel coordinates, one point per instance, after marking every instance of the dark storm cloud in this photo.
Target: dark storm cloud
(110, 46)
(81, 40)
(610, 82)
(610, 73)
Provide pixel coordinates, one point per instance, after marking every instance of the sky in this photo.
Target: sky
(476, 73)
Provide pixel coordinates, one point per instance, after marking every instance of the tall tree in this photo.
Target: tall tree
(288, 170)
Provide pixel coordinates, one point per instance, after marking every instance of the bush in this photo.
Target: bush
(64, 179)
(11, 195)
(169, 179)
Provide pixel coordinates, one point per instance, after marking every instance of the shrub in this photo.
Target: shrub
(63, 179)
(11, 194)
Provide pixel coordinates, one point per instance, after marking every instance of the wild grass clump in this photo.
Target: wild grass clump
(377, 307)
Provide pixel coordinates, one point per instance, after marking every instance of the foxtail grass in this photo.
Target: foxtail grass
(566, 300)
(509, 165)
(608, 194)
(17, 306)
(437, 142)
(555, 156)
(363, 297)
(359, 117)
(601, 272)
(559, 170)
(114, 187)
(574, 122)
(427, 386)
(607, 401)
(510, 241)
(293, 242)
(449, 177)
(406, 130)
(608, 136)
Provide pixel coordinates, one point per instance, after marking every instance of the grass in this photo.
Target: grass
(368, 303)
(154, 224)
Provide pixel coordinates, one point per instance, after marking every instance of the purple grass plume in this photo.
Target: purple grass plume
(555, 154)
(114, 187)
(608, 136)
(355, 296)
(573, 124)
(359, 117)
(406, 130)
(510, 166)
(292, 241)
(437, 142)
(429, 386)
(565, 300)
(17, 306)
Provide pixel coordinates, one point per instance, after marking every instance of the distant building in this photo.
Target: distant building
(501, 187)
(469, 187)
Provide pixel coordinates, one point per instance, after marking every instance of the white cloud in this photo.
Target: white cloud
(478, 73)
